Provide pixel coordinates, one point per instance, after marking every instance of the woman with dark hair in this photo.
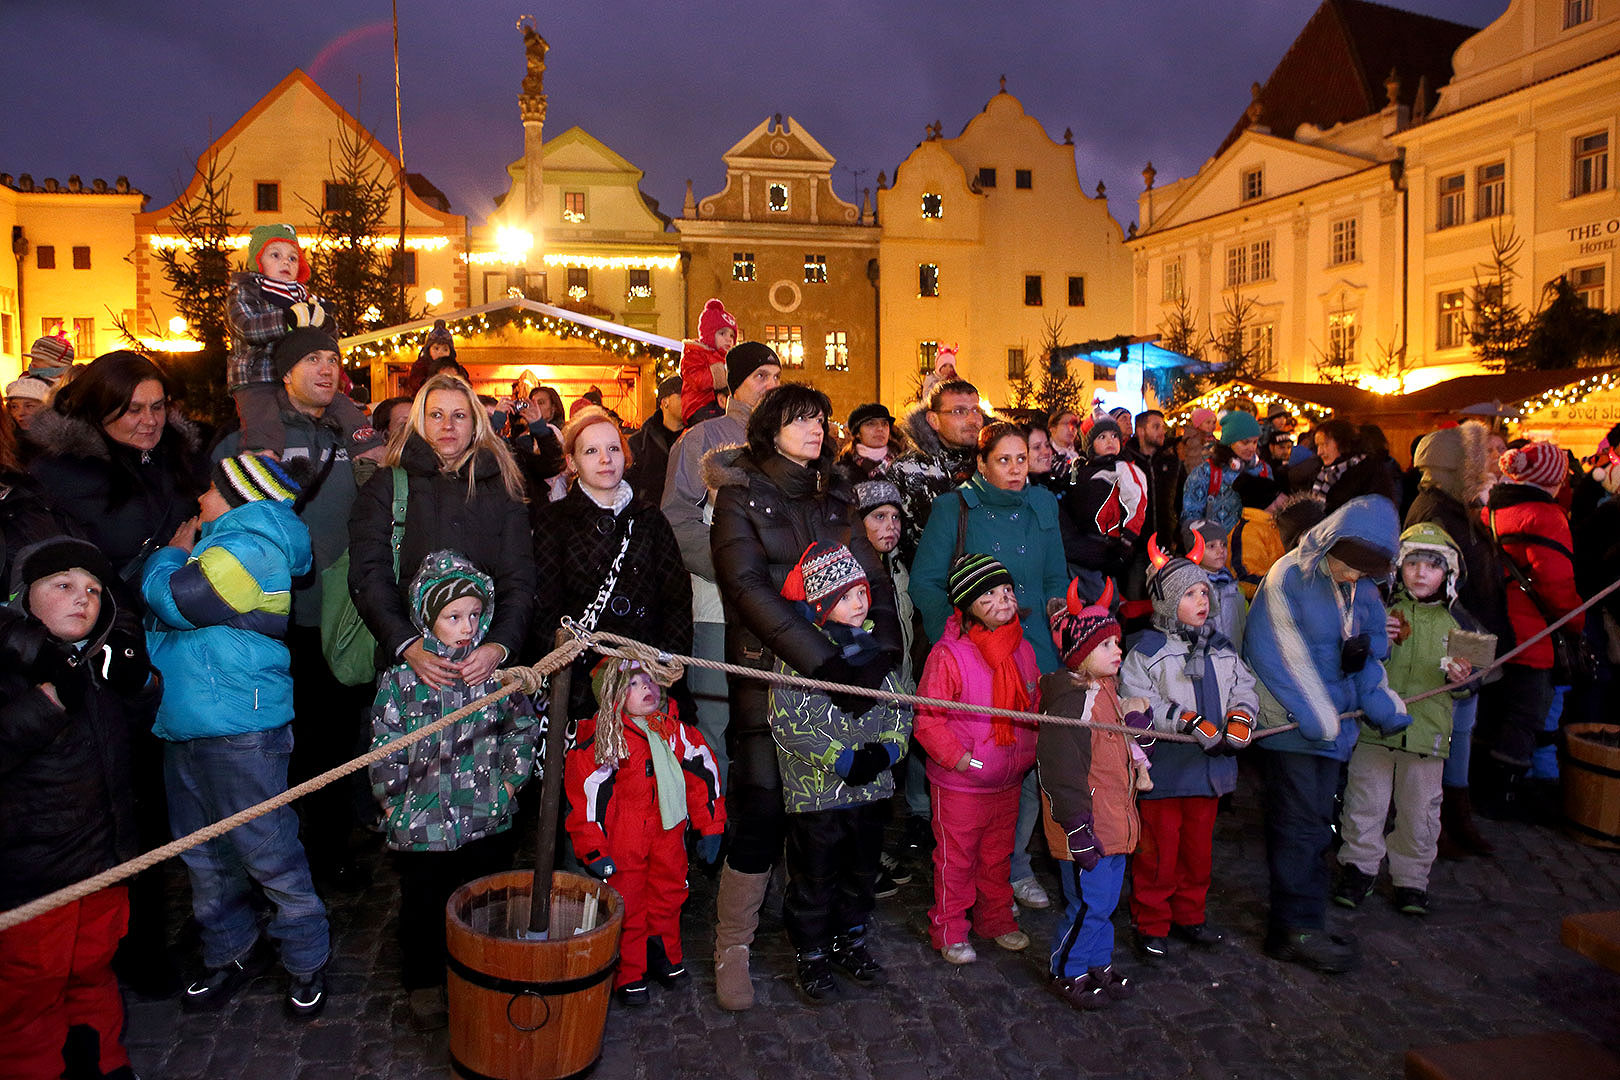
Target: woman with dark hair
(608, 558)
(1019, 526)
(1350, 467)
(774, 497)
(119, 463)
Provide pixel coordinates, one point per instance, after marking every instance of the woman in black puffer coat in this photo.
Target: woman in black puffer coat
(465, 494)
(775, 496)
(113, 457)
(576, 542)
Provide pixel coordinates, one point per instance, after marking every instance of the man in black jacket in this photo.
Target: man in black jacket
(649, 447)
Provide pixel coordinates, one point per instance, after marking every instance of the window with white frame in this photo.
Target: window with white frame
(579, 282)
(1342, 242)
(1237, 265)
(815, 269)
(742, 266)
(927, 353)
(1342, 336)
(787, 342)
(1449, 193)
(640, 285)
(1016, 366)
(1589, 282)
(1450, 325)
(1174, 285)
(837, 350)
(1590, 163)
(1490, 190)
(933, 205)
(1577, 12)
(573, 206)
(776, 198)
(1260, 344)
(1252, 184)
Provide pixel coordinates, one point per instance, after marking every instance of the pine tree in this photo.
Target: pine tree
(1179, 334)
(1498, 330)
(356, 275)
(1058, 386)
(198, 271)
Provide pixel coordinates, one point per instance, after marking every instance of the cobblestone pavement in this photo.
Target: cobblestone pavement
(1487, 961)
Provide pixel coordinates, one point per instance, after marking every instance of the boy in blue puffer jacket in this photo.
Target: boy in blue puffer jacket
(221, 597)
(1316, 641)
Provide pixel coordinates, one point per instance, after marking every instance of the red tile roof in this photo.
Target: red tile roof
(1335, 69)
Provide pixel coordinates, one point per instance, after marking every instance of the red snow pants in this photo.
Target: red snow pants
(1171, 867)
(973, 843)
(649, 864)
(56, 973)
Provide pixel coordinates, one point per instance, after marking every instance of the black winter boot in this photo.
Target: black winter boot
(1459, 835)
(660, 968)
(815, 978)
(850, 956)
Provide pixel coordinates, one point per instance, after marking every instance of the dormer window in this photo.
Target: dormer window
(933, 206)
(776, 199)
(1577, 12)
(1252, 184)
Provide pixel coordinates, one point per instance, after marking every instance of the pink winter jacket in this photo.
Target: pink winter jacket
(956, 671)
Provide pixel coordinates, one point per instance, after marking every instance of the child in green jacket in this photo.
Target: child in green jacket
(1404, 768)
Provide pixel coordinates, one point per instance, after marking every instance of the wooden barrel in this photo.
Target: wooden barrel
(528, 1010)
(1591, 777)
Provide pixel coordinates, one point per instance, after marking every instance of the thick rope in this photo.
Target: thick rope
(515, 682)
(667, 668)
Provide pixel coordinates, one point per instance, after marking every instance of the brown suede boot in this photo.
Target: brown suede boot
(736, 917)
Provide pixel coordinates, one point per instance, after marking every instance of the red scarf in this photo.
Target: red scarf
(999, 647)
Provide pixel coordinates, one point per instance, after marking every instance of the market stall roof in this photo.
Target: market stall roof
(1514, 393)
(1139, 350)
(614, 337)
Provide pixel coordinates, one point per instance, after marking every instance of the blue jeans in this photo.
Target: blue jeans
(709, 690)
(1085, 938)
(1029, 812)
(1463, 715)
(1299, 830)
(1544, 761)
(211, 779)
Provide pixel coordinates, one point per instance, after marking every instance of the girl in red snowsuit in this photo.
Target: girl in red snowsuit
(636, 778)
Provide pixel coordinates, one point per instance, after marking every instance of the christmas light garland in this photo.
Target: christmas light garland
(484, 322)
(1220, 396)
(1572, 394)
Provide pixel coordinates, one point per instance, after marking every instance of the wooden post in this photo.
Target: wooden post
(551, 787)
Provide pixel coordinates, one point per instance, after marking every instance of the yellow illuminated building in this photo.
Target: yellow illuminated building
(988, 239)
(71, 269)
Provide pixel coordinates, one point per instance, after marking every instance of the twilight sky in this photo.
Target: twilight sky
(104, 89)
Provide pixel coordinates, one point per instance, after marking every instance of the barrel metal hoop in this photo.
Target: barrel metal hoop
(528, 1029)
(543, 988)
(462, 1070)
(1596, 834)
(1591, 767)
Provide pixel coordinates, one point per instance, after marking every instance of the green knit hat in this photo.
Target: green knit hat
(265, 234)
(972, 576)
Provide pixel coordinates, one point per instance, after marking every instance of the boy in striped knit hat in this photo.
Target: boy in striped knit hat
(221, 597)
(1090, 777)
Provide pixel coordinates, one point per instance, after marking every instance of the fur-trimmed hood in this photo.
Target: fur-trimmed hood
(913, 424)
(1456, 460)
(730, 466)
(57, 435)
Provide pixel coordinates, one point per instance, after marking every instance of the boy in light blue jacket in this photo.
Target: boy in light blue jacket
(221, 594)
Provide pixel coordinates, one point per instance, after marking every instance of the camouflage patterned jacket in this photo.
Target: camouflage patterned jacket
(810, 732)
(459, 785)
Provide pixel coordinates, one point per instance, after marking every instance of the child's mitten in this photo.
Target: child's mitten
(1201, 728)
(1239, 728)
(600, 867)
(862, 764)
(1083, 848)
(708, 848)
(307, 313)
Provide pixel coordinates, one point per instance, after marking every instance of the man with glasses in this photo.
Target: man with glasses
(945, 435)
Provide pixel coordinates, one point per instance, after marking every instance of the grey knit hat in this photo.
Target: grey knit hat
(1168, 584)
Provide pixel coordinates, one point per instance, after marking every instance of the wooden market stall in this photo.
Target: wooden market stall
(1573, 407)
(518, 340)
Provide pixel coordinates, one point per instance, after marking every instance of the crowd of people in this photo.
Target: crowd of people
(194, 624)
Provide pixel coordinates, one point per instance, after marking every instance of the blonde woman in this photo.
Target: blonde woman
(464, 494)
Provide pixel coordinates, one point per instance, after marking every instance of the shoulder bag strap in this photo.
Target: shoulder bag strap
(593, 610)
(1519, 575)
(402, 490)
(961, 527)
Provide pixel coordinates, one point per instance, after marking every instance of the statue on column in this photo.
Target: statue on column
(535, 49)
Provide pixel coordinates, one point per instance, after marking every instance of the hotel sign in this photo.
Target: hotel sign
(1595, 236)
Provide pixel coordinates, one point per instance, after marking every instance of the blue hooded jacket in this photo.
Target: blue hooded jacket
(1298, 625)
(221, 613)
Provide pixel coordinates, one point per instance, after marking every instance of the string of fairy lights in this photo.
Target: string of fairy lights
(1571, 394)
(515, 318)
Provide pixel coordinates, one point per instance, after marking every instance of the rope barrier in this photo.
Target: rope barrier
(667, 668)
